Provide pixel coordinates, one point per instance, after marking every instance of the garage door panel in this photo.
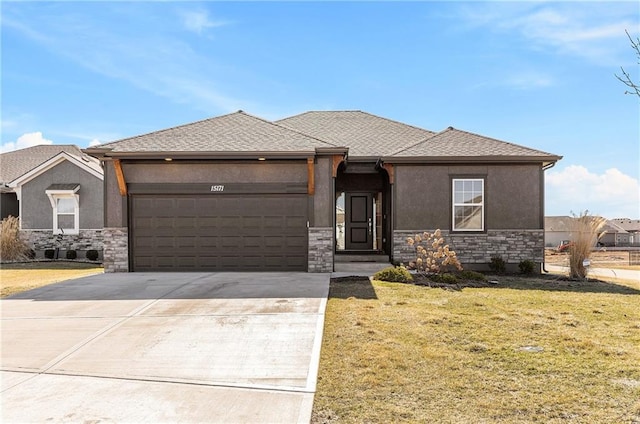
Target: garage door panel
(219, 233)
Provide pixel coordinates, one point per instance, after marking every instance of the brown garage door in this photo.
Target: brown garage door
(219, 233)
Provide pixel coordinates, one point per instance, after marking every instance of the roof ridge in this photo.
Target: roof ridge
(171, 128)
(421, 141)
(502, 141)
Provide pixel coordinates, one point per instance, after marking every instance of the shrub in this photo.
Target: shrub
(398, 274)
(497, 265)
(585, 230)
(432, 255)
(527, 266)
(12, 247)
(49, 253)
(445, 278)
(72, 254)
(92, 255)
(472, 275)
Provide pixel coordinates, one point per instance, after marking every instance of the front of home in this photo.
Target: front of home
(240, 193)
(57, 192)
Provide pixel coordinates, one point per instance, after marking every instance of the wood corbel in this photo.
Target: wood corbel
(336, 161)
(390, 171)
(122, 185)
(311, 179)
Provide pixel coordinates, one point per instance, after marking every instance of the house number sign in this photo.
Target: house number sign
(217, 188)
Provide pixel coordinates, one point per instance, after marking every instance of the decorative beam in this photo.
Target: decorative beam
(337, 160)
(311, 179)
(122, 185)
(389, 168)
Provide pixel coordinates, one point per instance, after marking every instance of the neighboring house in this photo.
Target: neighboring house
(238, 192)
(632, 227)
(613, 235)
(556, 229)
(57, 191)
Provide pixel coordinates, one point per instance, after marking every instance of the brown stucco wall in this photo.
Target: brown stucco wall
(512, 195)
(323, 203)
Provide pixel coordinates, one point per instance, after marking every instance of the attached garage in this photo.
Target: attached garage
(218, 232)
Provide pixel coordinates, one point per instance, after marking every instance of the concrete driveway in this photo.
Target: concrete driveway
(152, 347)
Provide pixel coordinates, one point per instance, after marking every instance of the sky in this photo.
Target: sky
(539, 74)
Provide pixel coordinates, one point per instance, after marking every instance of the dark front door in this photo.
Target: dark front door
(359, 221)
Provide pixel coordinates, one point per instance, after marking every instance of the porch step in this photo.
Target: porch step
(362, 258)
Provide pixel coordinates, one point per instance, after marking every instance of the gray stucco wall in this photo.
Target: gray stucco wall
(36, 207)
(512, 195)
(323, 203)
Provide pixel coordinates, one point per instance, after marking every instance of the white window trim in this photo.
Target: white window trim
(453, 202)
(54, 195)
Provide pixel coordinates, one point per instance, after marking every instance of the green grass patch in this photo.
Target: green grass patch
(528, 350)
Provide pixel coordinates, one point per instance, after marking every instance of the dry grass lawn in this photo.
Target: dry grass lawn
(527, 350)
(19, 277)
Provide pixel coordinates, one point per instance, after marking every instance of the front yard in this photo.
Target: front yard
(19, 277)
(526, 350)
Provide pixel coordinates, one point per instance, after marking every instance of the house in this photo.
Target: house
(57, 191)
(613, 234)
(557, 229)
(238, 192)
(632, 227)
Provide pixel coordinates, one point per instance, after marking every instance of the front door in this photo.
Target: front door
(359, 221)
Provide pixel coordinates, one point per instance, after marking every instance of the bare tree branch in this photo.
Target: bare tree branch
(626, 78)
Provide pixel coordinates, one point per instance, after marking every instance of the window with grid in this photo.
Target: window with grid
(468, 204)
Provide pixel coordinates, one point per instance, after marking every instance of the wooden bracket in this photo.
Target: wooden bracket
(311, 179)
(390, 171)
(122, 185)
(337, 160)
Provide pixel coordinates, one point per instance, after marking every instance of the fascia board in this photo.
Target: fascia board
(47, 165)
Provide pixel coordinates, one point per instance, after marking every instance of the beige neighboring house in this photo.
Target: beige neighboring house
(556, 229)
(57, 192)
(632, 227)
(613, 233)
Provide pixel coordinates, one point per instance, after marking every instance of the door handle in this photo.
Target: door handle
(370, 227)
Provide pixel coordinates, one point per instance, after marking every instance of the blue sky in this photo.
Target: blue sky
(539, 74)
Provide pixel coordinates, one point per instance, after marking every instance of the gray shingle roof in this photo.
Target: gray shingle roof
(18, 162)
(456, 143)
(365, 135)
(235, 132)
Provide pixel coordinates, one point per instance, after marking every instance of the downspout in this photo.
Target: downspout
(544, 233)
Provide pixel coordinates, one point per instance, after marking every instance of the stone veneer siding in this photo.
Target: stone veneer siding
(320, 249)
(512, 245)
(45, 239)
(116, 249)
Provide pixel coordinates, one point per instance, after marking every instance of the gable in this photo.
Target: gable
(61, 157)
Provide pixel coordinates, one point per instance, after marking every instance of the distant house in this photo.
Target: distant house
(238, 192)
(556, 229)
(632, 227)
(57, 191)
(613, 235)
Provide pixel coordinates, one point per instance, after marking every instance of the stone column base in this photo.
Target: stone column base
(116, 249)
(320, 249)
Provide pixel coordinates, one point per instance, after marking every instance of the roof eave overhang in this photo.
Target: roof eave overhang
(104, 154)
(545, 160)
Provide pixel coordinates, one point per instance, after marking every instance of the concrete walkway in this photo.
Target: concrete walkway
(151, 347)
(623, 274)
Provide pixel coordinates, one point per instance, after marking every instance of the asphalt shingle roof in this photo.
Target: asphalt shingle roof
(235, 132)
(18, 162)
(365, 135)
(456, 143)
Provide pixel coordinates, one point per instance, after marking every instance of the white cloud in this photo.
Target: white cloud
(611, 194)
(24, 141)
(94, 142)
(198, 21)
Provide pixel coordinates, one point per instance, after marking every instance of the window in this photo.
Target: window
(66, 208)
(468, 204)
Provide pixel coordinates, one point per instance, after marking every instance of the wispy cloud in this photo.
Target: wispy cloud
(612, 194)
(591, 30)
(198, 21)
(154, 60)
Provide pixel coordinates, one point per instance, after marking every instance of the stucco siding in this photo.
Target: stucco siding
(35, 205)
(512, 195)
(323, 202)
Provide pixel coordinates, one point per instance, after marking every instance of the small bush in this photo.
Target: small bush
(92, 255)
(432, 255)
(472, 275)
(49, 253)
(497, 265)
(72, 254)
(397, 274)
(445, 278)
(12, 247)
(527, 267)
